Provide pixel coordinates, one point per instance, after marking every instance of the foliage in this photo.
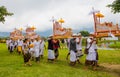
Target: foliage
(11, 65)
(3, 39)
(84, 33)
(4, 13)
(117, 45)
(115, 6)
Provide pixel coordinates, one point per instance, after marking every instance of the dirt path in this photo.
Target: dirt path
(112, 68)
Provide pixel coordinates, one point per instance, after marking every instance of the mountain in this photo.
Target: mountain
(46, 33)
(43, 34)
(4, 34)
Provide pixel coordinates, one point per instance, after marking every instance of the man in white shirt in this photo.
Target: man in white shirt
(92, 55)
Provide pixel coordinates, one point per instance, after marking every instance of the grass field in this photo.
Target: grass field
(11, 65)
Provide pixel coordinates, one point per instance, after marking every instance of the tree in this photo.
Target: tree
(4, 13)
(115, 6)
(84, 33)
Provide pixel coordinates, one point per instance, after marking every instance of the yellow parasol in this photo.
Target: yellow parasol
(33, 27)
(21, 29)
(99, 15)
(61, 20)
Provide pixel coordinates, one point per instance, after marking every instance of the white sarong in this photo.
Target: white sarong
(72, 56)
(51, 54)
(91, 56)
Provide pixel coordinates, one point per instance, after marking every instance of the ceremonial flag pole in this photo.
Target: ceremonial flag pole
(53, 20)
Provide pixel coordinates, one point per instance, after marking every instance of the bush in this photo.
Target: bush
(115, 45)
(2, 41)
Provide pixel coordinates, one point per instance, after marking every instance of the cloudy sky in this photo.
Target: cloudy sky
(39, 12)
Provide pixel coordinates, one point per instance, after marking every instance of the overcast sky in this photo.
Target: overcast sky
(39, 12)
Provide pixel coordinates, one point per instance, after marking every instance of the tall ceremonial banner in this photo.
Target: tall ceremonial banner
(30, 33)
(16, 34)
(60, 32)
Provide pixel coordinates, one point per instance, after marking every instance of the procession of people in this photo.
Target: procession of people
(32, 46)
(33, 49)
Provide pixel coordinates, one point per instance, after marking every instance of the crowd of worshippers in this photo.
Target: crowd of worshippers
(34, 49)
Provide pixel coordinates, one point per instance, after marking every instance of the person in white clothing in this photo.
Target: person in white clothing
(8, 43)
(73, 51)
(37, 50)
(42, 44)
(19, 47)
(32, 50)
(79, 48)
(11, 46)
(15, 44)
(91, 56)
(51, 55)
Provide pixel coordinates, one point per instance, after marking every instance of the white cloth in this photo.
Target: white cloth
(88, 42)
(37, 48)
(12, 45)
(79, 47)
(37, 52)
(41, 51)
(20, 43)
(72, 56)
(79, 53)
(92, 53)
(15, 43)
(79, 44)
(51, 54)
(91, 56)
(42, 47)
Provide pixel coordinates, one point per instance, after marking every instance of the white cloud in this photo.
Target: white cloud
(39, 12)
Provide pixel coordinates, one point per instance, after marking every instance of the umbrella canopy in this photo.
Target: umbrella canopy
(33, 27)
(61, 20)
(99, 15)
(21, 29)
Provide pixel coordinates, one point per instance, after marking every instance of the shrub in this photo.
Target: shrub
(115, 45)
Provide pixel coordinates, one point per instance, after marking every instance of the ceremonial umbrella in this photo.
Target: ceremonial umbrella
(21, 29)
(61, 20)
(33, 27)
(99, 15)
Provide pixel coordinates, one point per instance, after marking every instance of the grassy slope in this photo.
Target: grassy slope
(11, 65)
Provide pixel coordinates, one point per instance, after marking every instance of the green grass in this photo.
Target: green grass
(11, 65)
